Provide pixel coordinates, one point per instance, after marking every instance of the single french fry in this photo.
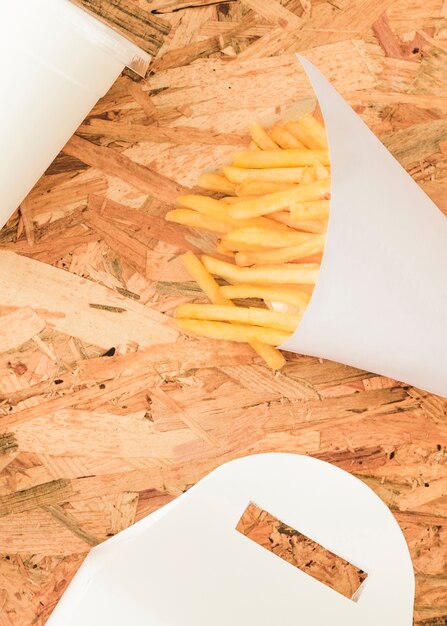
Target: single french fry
(279, 200)
(316, 210)
(274, 175)
(218, 210)
(287, 273)
(321, 172)
(293, 297)
(207, 206)
(313, 258)
(273, 357)
(261, 139)
(278, 255)
(201, 203)
(237, 246)
(282, 255)
(315, 130)
(284, 138)
(279, 158)
(210, 287)
(187, 217)
(203, 278)
(302, 134)
(234, 199)
(272, 217)
(233, 332)
(318, 227)
(221, 249)
(268, 238)
(216, 182)
(309, 175)
(261, 187)
(309, 289)
(243, 315)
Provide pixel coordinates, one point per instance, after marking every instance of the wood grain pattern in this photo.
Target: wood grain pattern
(107, 414)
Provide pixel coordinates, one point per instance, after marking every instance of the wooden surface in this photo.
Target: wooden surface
(107, 414)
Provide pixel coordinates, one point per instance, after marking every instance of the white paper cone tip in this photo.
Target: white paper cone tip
(186, 565)
(380, 303)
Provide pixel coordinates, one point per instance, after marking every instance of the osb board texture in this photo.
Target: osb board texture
(108, 414)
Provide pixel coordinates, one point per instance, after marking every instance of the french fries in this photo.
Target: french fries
(261, 138)
(315, 130)
(195, 220)
(261, 187)
(215, 182)
(316, 210)
(217, 210)
(270, 224)
(279, 158)
(237, 246)
(234, 199)
(234, 332)
(309, 131)
(272, 175)
(280, 200)
(309, 226)
(299, 299)
(211, 289)
(269, 239)
(287, 273)
(223, 250)
(284, 138)
(244, 315)
(321, 172)
(307, 248)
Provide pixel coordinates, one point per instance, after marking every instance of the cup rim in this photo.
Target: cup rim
(100, 34)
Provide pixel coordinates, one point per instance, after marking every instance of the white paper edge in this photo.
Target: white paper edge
(380, 303)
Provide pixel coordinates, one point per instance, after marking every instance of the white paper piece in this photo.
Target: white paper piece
(380, 302)
(56, 61)
(186, 565)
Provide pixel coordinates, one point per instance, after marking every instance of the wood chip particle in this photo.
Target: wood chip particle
(105, 307)
(48, 287)
(70, 521)
(26, 211)
(117, 164)
(56, 491)
(387, 39)
(18, 327)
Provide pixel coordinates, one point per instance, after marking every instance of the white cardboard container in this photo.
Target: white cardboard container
(56, 61)
(187, 565)
(380, 302)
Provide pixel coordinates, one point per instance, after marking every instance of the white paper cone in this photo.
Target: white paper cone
(186, 565)
(56, 61)
(380, 302)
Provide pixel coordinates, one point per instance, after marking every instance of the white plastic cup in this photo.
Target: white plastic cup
(56, 62)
